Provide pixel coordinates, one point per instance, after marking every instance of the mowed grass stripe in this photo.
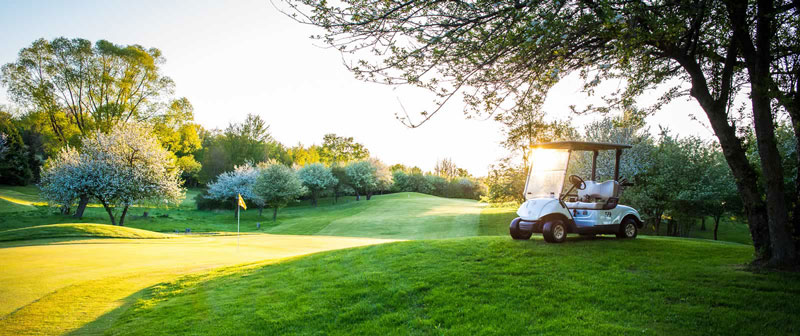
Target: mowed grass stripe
(402, 216)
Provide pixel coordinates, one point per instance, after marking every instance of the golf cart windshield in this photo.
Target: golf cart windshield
(546, 177)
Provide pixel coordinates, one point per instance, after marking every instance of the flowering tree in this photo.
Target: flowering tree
(62, 179)
(124, 167)
(316, 177)
(363, 176)
(278, 185)
(383, 175)
(239, 181)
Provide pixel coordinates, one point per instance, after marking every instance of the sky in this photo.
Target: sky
(231, 58)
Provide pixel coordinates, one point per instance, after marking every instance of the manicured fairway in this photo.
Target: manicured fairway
(63, 285)
(393, 216)
(402, 216)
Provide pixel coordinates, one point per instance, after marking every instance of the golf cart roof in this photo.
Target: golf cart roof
(579, 145)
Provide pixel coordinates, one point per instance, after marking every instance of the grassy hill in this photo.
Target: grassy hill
(395, 216)
(484, 285)
(77, 230)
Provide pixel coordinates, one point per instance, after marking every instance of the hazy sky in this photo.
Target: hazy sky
(231, 58)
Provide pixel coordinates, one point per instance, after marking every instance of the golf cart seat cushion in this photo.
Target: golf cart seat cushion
(595, 190)
(585, 205)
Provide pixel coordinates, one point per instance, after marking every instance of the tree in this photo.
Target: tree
(63, 180)
(3, 145)
(181, 137)
(718, 194)
(527, 125)
(88, 87)
(240, 181)
(14, 166)
(445, 168)
(124, 167)
(278, 185)
(247, 141)
(303, 156)
(342, 181)
(239, 144)
(341, 150)
(765, 33)
(383, 175)
(316, 178)
(362, 176)
(503, 56)
(506, 182)
(190, 169)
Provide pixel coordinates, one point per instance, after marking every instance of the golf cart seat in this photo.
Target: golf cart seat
(597, 196)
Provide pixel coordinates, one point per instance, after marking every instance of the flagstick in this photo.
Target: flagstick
(238, 213)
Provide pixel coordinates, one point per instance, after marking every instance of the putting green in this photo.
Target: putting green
(58, 286)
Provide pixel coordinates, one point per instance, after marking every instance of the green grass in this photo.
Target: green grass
(8, 206)
(77, 230)
(51, 287)
(394, 216)
(18, 198)
(486, 285)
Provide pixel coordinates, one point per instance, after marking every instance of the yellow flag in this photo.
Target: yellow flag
(241, 202)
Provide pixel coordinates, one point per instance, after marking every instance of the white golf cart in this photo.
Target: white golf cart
(592, 210)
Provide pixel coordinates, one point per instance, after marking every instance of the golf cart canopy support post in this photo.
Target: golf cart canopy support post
(616, 165)
(594, 164)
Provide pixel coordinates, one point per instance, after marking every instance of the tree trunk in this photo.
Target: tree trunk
(110, 214)
(758, 56)
(794, 114)
(335, 196)
(716, 226)
(122, 217)
(743, 173)
(236, 212)
(260, 210)
(783, 252)
(275, 214)
(358, 197)
(81, 206)
(658, 222)
(369, 195)
(703, 223)
(314, 198)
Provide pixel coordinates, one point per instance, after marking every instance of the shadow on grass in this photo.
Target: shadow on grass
(104, 322)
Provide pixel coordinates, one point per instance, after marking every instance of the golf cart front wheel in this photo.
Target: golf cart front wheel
(554, 231)
(627, 229)
(517, 232)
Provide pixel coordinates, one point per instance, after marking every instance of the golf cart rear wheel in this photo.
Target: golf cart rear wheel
(517, 232)
(554, 231)
(627, 229)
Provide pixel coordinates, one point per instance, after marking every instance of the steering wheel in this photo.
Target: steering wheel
(577, 181)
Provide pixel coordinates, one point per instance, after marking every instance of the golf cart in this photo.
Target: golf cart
(592, 210)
